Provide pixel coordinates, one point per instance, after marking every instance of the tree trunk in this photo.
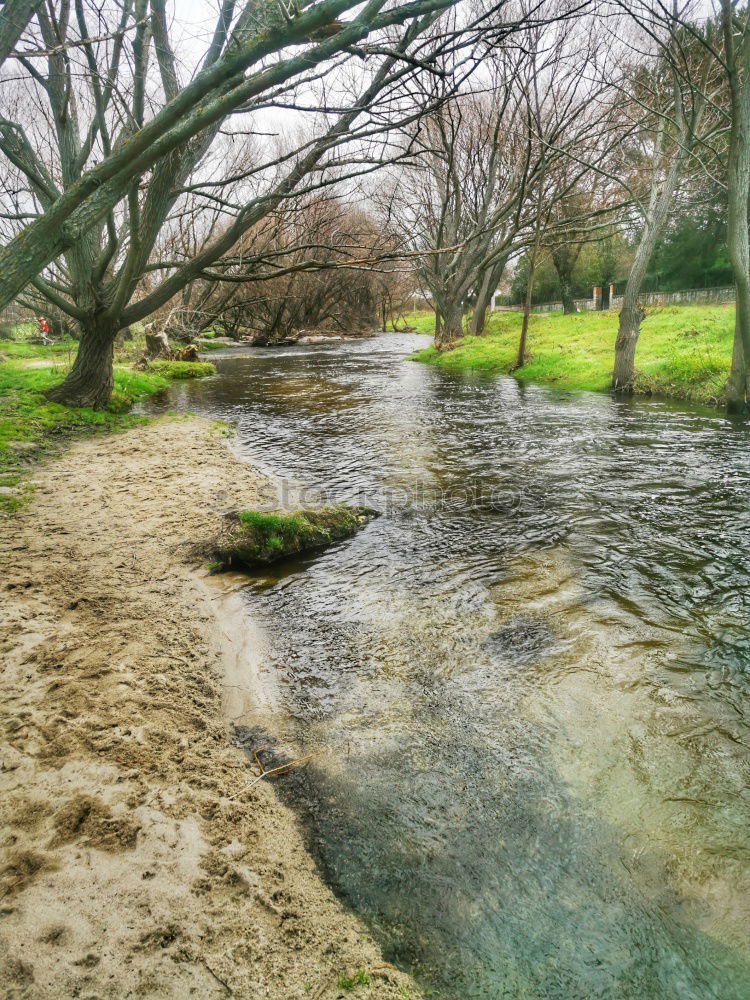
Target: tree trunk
(631, 318)
(566, 294)
(738, 383)
(521, 356)
(450, 328)
(484, 297)
(564, 258)
(738, 244)
(157, 344)
(90, 380)
(490, 282)
(631, 314)
(14, 17)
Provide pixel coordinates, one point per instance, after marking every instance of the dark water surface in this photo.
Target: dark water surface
(533, 671)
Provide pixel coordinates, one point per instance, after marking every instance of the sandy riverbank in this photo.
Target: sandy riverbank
(133, 864)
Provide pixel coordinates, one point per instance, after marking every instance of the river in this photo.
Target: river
(532, 672)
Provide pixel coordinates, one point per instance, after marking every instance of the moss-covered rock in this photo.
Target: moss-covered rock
(182, 369)
(250, 538)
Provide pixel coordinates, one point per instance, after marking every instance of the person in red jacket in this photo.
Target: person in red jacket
(44, 329)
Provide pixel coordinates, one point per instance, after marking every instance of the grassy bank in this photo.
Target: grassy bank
(32, 427)
(684, 351)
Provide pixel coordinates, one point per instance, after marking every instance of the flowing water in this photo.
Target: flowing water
(532, 671)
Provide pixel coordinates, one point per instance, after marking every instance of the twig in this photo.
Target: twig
(282, 769)
(75, 43)
(258, 761)
(218, 979)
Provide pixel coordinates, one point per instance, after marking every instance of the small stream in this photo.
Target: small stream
(532, 672)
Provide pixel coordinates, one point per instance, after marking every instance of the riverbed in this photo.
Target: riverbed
(529, 677)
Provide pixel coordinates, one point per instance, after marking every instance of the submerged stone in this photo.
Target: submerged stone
(250, 538)
(521, 639)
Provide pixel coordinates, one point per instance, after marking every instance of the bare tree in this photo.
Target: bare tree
(491, 161)
(725, 41)
(310, 280)
(666, 97)
(252, 54)
(118, 95)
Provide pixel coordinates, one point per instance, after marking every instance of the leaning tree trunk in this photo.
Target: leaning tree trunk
(90, 380)
(631, 317)
(14, 17)
(631, 314)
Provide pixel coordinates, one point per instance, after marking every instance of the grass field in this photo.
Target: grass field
(683, 352)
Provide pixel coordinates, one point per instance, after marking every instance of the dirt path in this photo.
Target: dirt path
(126, 869)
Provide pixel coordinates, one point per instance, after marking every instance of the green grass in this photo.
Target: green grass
(270, 534)
(683, 352)
(422, 321)
(182, 369)
(31, 427)
(62, 350)
(360, 978)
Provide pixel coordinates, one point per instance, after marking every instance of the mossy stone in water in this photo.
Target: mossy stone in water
(252, 538)
(521, 640)
(181, 369)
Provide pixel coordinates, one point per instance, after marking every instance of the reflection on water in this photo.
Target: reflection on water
(537, 701)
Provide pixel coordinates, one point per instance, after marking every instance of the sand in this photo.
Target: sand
(132, 862)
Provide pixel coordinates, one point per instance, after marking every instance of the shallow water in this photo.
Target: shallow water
(532, 672)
